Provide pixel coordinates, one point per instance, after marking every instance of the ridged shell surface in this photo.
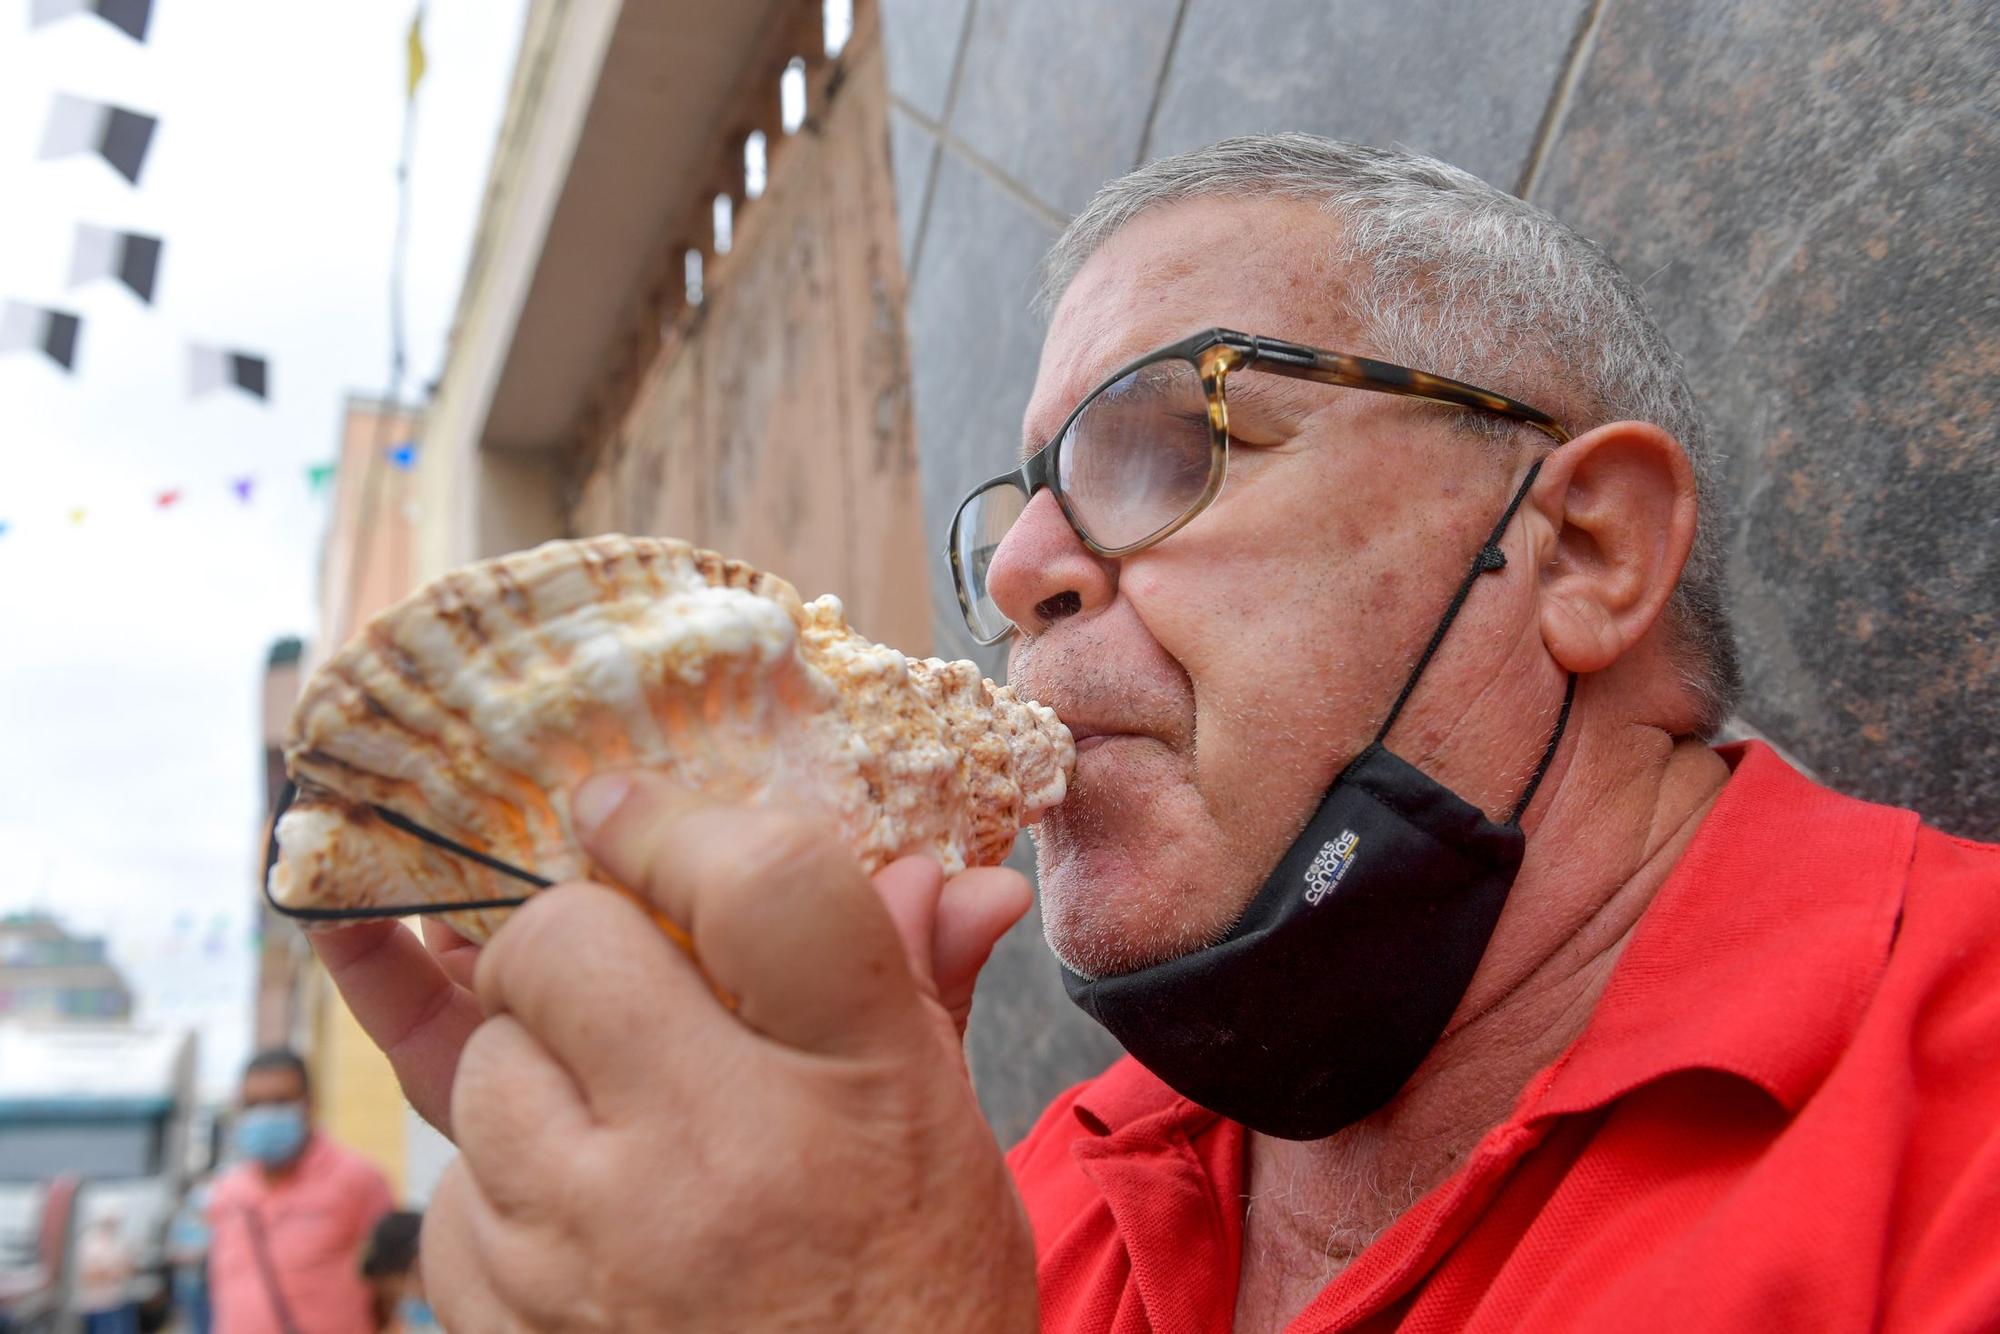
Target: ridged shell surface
(476, 706)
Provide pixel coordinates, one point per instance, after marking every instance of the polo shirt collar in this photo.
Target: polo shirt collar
(1759, 952)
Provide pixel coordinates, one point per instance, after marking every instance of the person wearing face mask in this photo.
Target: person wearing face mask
(289, 1221)
(1363, 538)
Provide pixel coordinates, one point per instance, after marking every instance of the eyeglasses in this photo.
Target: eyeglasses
(1146, 451)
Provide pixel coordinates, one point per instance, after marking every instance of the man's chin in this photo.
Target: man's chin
(1098, 926)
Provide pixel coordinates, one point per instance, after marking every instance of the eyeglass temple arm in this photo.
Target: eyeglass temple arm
(1352, 372)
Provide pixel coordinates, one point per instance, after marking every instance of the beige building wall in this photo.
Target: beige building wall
(367, 564)
(773, 423)
(475, 502)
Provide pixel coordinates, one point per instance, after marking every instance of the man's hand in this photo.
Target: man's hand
(638, 1155)
(415, 1000)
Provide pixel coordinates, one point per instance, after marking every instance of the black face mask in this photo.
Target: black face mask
(1339, 978)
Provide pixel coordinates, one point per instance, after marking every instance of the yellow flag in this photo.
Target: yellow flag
(76, 516)
(416, 51)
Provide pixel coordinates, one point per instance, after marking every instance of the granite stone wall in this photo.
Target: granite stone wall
(1808, 190)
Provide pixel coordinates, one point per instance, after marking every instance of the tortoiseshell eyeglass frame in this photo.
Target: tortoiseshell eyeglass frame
(1216, 354)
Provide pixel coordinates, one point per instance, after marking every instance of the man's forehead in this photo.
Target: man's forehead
(1266, 267)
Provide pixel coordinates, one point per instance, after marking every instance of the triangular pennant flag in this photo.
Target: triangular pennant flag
(116, 134)
(215, 367)
(404, 456)
(48, 11)
(3, 527)
(241, 486)
(250, 374)
(128, 16)
(131, 258)
(318, 476)
(166, 500)
(127, 135)
(53, 333)
(415, 51)
(76, 515)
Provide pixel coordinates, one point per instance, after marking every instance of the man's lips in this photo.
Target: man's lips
(1089, 736)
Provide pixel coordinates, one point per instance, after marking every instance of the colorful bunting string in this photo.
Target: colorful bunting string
(418, 62)
(318, 477)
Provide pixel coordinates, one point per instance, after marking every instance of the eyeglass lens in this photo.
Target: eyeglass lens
(1138, 455)
(1134, 460)
(982, 523)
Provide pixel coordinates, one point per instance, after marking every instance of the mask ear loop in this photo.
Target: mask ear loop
(1489, 559)
(1548, 753)
(415, 830)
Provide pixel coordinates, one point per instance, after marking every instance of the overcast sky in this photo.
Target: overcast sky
(132, 644)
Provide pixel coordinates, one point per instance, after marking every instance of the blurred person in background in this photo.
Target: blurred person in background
(104, 1268)
(391, 1268)
(288, 1223)
(187, 1253)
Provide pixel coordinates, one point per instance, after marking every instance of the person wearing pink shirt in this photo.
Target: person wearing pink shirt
(290, 1220)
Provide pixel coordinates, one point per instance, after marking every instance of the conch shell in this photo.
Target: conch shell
(474, 707)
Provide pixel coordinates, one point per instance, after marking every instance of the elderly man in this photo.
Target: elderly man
(1360, 541)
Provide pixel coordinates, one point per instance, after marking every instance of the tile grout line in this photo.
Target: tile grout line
(937, 148)
(1160, 84)
(1559, 100)
(985, 166)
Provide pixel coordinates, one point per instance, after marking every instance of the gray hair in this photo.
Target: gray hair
(1459, 278)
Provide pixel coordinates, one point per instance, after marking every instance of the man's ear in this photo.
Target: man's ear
(1620, 500)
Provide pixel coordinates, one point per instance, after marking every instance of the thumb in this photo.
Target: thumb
(949, 928)
(976, 909)
(780, 914)
(910, 887)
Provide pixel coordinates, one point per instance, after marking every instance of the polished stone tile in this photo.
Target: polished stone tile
(1463, 80)
(1055, 92)
(920, 41)
(912, 157)
(1809, 192)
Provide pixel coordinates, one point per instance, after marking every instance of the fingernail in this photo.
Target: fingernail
(599, 795)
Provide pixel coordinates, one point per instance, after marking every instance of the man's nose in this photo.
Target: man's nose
(1043, 572)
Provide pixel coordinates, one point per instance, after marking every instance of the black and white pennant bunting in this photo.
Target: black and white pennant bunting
(119, 136)
(53, 333)
(217, 368)
(127, 256)
(128, 16)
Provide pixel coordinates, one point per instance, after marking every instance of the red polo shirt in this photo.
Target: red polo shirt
(1783, 1114)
